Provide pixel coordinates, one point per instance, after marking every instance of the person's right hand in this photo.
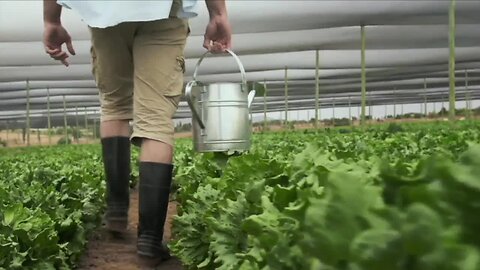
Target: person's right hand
(54, 36)
(218, 35)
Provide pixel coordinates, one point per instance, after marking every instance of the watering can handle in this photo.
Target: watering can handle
(239, 63)
(188, 87)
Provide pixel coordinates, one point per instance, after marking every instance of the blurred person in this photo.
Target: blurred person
(138, 63)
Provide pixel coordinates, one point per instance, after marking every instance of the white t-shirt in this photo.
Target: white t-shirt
(102, 14)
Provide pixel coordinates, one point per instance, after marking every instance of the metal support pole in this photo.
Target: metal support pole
(386, 112)
(425, 97)
(394, 103)
(467, 97)
(443, 102)
(350, 110)
(28, 114)
(7, 131)
(451, 37)
(251, 115)
(65, 131)
(333, 111)
(86, 120)
(370, 109)
(317, 87)
(364, 76)
(265, 106)
(94, 128)
(286, 96)
(49, 119)
(77, 132)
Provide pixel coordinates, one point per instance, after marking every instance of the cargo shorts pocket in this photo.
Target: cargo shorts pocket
(159, 57)
(175, 86)
(94, 70)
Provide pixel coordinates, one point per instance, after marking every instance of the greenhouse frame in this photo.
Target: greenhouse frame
(405, 44)
(361, 145)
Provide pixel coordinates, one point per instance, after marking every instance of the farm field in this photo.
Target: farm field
(388, 197)
(365, 120)
(50, 200)
(391, 197)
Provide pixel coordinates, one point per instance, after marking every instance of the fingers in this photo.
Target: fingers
(217, 38)
(217, 47)
(51, 51)
(70, 47)
(207, 43)
(65, 62)
(58, 54)
(62, 58)
(54, 37)
(228, 44)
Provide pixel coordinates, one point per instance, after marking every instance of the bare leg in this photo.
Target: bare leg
(156, 151)
(114, 128)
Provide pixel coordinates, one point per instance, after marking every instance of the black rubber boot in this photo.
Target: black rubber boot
(116, 159)
(155, 181)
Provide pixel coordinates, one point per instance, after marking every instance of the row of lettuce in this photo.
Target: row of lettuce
(402, 197)
(50, 199)
(397, 197)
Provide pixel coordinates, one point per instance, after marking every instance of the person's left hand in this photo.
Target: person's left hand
(218, 35)
(54, 36)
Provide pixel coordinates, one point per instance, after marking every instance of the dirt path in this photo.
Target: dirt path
(106, 252)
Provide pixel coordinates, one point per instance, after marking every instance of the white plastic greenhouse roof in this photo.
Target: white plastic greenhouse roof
(407, 43)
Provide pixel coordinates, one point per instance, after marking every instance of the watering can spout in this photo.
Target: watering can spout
(188, 95)
(251, 96)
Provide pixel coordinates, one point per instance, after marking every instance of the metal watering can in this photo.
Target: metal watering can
(220, 113)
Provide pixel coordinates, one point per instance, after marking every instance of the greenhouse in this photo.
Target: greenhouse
(361, 145)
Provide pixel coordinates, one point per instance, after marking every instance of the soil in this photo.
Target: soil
(105, 251)
(14, 139)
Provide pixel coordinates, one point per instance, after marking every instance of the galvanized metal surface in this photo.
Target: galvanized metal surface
(221, 120)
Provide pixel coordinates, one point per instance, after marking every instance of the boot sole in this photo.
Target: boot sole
(118, 226)
(151, 255)
(146, 260)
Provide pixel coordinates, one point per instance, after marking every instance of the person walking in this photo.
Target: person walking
(138, 64)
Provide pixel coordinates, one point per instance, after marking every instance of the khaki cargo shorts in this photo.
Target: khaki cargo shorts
(138, 68)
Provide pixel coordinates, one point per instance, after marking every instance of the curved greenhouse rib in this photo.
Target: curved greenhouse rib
(262, 16)
(343, 38)
(264, 62)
